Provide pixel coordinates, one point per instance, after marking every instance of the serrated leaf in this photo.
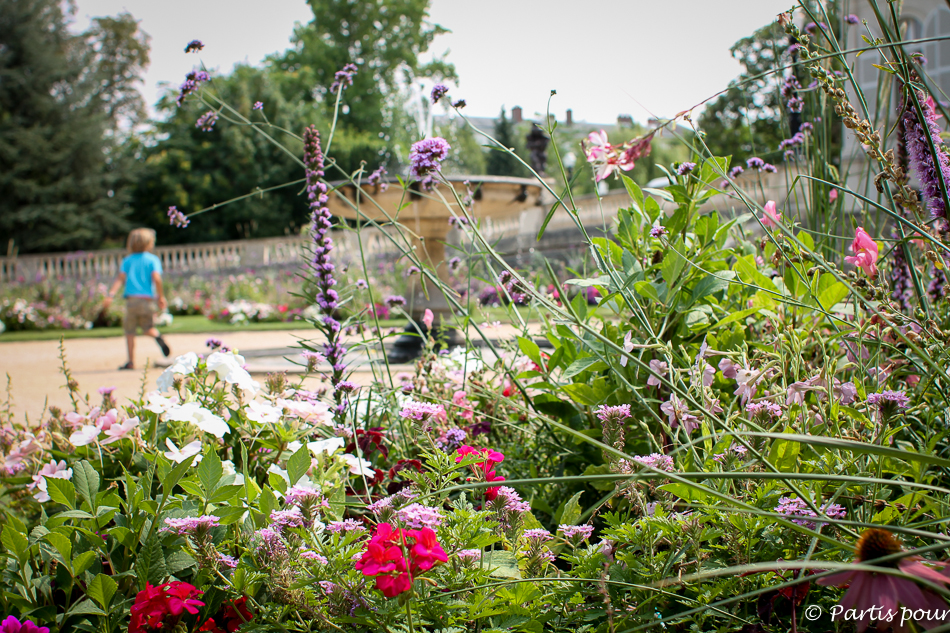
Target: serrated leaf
(14, 542)
(175, 474)
(101, 589)
(178, 561)
(572, 510)
(150, 563)
(225, 494)
(61, 544)
(229, 514)
(86, 480)
(277, 482)
(83, 561)
(209, 471)
(298, 465)
(61, 491)
(86, 607)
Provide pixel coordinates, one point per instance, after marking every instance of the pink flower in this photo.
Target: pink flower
(658, 369)
(605, 158)
(865, 252)
(832, 195)
(886, 591)
(771, 219)
(459, 399)
(428, 318)
(120, 431)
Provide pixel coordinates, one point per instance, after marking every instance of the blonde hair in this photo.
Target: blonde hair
(141, 240)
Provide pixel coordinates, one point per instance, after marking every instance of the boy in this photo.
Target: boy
(142, 276)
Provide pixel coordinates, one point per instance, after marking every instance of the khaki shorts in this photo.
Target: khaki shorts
(139, 312)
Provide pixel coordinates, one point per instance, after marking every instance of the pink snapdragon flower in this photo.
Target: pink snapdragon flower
(865, 252)
(428, 318)
(771, 217)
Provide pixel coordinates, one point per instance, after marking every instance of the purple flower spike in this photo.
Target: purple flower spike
(929, 172)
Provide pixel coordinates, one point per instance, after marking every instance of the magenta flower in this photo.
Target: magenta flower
(771, 218)
(886, 591)
(865, 253)
(13, 625)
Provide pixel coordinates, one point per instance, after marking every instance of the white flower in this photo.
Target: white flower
(178, 456)
(262, 413)
(328, 446)
(227, 468)
(358, 465)
(627, 347)
(230, 368)
(157, 403)
(199, 416)
(86, 435)
(184, 364)
(52, 469)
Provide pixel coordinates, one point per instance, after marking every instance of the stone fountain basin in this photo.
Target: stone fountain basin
(427, 213)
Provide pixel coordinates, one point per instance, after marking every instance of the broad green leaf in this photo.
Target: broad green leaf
(749, 273)
(572, 510)
(83, 561)
(530, 349)
(74, 514)
(86, 607)
(86, 480)
(178, 561)
(14, 542)
(581, 394)
(224, 494)
(502, 564)
(150, 563)
(784, 455)
(646, 289)
(634, 190)
(736, 316)
(830, 291)
(229, 514)
(209, 471)
(673, 264)
(62, 544)
(711, 284)
(298, 464)
(175, 474)
(277, 482)
(588, 363)
(101, 589)
(685, 491)
(61, 491)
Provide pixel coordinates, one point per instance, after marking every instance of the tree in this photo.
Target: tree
(385, 38)
(746, 120)
(501, 163)
(63, 102)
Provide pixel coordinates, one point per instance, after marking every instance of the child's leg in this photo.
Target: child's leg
(155, 334)
(130, 344)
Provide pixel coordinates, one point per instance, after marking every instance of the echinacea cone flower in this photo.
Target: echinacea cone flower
(886, 591)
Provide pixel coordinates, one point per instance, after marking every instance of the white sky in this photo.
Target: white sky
(604, 57)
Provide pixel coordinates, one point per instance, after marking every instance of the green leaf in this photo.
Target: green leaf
(61, 491)
(175, 474)
(86, 480)
(784, 455)
(62, 544)
(685, 492)
(830, 291)
(530, 349)
(229, 514)
(673, 264)
(150, 563)
(178, 561)
(86, 607)
(746, 268)
(101, 589)
(588, 363)
(298, 464)
(646, 289)
(75, 514)
(711, 284)
(736, 316)
(225, 494)
(634, 190)
(209, 471)
(277, 482)
(83, 561)
(502, 564)
(572, 510)
(14, 542)
(581, 394)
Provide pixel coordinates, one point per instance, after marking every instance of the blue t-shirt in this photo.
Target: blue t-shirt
(138, 269)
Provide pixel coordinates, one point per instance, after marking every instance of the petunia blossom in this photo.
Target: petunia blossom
(205, 420)
(865, 253)
(120, 431)
(179, 455)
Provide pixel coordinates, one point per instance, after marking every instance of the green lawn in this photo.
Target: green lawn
(181, 325)
(200, 325)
